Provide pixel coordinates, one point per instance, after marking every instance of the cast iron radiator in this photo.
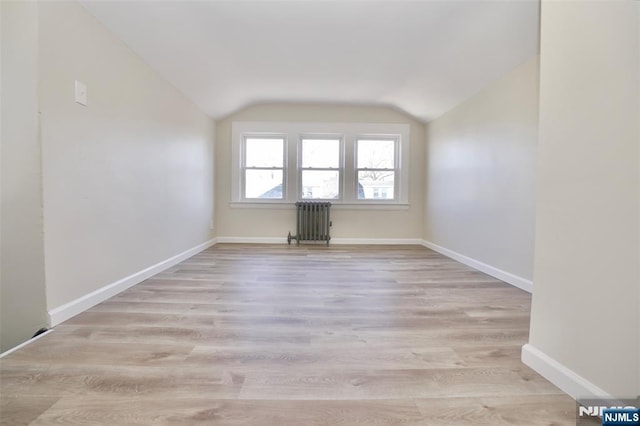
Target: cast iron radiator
(313, 221)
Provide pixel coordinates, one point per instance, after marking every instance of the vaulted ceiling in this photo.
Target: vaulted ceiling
(422, 57)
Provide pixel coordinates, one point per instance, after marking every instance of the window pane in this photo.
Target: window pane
(320, 184)
(321, 153)
(375, 185)
(264, 152)
(263, 184)
(376, 154)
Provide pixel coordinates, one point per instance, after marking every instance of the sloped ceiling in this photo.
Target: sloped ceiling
(422, 57)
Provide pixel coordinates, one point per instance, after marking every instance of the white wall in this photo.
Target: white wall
(480, 174)
(128, 179)
(351, 224)
(584, 319)
(22, 296)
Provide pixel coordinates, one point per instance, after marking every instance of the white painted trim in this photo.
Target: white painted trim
(508, 277)
(370, 206)
(378, 241)
(280, 205)
(568, 381)
(21, 345)
(335, 205)
(293, 131)
(81, 304)
(337, 241)
(252, 240)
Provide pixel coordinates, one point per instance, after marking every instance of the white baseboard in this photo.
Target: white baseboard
(359, 241)
(378, 241)
(521, 283)
(68, 310)
(252, 240)
(569, 382)
(22, 345)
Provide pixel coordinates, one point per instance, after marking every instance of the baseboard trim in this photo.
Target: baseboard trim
(568, 381)
(378, 241)
(252, 240)
(355, 241)
(81, 304)
(514, 280)
(22, 345)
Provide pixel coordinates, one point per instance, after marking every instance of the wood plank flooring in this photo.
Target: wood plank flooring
(286, 335)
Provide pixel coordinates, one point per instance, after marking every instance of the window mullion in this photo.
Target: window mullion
(292, 165)
(349, 185)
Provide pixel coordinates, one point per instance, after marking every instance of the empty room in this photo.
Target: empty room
(320, 212)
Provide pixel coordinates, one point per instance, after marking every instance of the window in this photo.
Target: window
(263, 168)
(355, 165)
(320, 168)
(376, 168)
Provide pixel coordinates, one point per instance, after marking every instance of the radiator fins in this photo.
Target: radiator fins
(313, 221)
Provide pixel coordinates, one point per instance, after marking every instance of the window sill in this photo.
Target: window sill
(276, 205)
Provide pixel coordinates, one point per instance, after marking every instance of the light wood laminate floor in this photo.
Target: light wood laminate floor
(286, 335)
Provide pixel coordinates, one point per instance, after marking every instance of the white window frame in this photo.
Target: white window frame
(293, 132)
(396, 165)
(244, 168)
(340, 169)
